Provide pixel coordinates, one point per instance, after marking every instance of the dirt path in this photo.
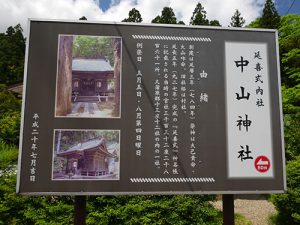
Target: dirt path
(89, 109)
(255, 208)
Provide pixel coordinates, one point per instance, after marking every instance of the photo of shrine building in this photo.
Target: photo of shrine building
(92, 80)
(87, 86)
(88, 160)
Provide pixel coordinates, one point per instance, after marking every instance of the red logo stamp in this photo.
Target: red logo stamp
(262, 164)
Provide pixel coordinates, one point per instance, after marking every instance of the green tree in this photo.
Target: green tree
(167, 17)
(10, 108)
(83, 18)
(133, 16)
(289, 43)
(215, 23)
(288, 205)
(237, 20)
(292, 135)
(12, 51)
(254, 24)
(8, 102)
(10, 127)
(199, 16)
(270, 17)
(93, 47)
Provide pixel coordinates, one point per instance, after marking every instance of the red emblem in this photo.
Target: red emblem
(262, 164)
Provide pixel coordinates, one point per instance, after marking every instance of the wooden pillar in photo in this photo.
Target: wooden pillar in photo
(117, 67)
(64, 76)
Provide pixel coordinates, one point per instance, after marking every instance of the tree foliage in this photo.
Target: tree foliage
(167, 16)
(16, 209)
(12, 51)
(237, 20)
(289, 33)
(8, 157)
(93, 47)
(10, 108)
(10, 127)
(83, 18)
(133, 16)
(180, 209)
(288, 205)
(117, 210)
(291, 135)
(199, 16)
(270, 17)
(254, 24)
(289, 43)
(215, 23)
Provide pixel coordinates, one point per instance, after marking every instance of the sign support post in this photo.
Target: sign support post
(80, 210)
(228, 209)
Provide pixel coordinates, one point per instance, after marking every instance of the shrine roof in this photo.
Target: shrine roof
(86, 146)
(91, 65)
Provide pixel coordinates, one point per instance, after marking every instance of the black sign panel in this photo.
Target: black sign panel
(127, 108)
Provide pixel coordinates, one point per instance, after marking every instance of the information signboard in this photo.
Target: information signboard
(127, 108)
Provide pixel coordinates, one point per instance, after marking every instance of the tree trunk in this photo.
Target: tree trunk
(64, 76)
(117, 68)
(58, 142)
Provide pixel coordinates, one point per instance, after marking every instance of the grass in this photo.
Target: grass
(273, 219)
(241, 220)
(8, 154)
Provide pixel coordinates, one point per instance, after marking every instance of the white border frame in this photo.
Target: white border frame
(141, 192)
(270, 114)
(120, 81)
(281, 113)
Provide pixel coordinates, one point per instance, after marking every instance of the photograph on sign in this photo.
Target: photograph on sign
(86, 154)
(88, 71)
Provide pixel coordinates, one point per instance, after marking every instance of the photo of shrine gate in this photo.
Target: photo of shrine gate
(88, 76)
(83, 155)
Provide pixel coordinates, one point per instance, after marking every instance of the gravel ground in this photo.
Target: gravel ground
(255, 208)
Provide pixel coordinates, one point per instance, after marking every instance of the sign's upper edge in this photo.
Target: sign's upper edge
(152, 25)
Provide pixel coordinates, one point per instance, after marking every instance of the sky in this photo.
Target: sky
(13, 12)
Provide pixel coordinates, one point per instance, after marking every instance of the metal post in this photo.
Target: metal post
(228, 209)
(80, 210)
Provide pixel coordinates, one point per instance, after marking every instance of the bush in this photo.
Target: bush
(140, 210)
(8, 102)
(10, 110)
(8, 157)
(288, 205)
(10, 127)
(17, 209)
